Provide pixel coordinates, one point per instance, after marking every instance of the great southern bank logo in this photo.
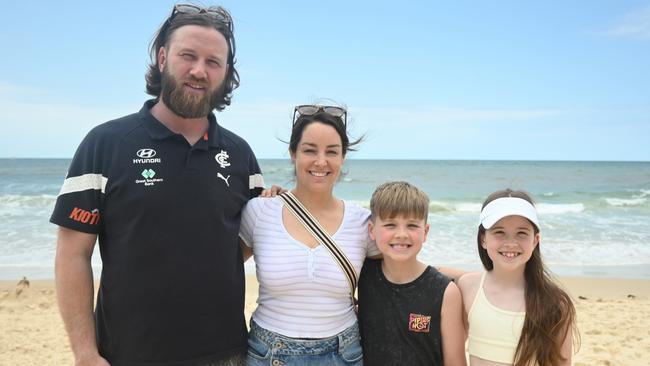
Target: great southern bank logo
(146, 156)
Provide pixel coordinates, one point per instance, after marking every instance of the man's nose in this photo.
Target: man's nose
(198, 70)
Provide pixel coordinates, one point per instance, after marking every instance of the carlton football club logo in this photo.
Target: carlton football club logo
(222, 159)
(419, 323)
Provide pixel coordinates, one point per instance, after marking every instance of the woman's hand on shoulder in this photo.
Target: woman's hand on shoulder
(273, 191)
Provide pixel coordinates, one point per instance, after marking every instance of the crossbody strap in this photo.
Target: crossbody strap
(322, 237)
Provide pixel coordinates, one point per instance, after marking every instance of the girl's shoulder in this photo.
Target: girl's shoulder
(469, 282)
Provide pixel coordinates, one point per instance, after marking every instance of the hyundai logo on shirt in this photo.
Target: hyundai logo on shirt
(146, 157)
(146, 153)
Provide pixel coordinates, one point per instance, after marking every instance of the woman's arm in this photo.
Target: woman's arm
(452, 273)
(246, 251)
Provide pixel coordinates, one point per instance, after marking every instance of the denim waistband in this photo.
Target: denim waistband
(287, 345)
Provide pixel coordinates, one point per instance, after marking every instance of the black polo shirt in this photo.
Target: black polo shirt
(167, 215)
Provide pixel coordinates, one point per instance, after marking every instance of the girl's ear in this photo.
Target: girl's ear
(483, 245)
(538, 237)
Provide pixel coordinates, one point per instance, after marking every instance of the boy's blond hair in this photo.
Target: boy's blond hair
(393, 199)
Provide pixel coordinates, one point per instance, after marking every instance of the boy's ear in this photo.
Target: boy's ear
(426, 231)
(371, 226)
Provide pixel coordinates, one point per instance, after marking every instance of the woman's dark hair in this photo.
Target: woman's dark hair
(327, 119)
(550, 313)
(222, 24)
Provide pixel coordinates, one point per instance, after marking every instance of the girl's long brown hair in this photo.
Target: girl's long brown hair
(550, 313)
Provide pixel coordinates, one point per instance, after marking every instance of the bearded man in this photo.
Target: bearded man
(162, 190)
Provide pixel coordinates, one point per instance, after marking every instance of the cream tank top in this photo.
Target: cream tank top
(493, 332)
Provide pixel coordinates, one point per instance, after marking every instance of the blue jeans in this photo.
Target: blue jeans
(266, 348)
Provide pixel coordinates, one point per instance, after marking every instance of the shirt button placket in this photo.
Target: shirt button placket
(310, 264)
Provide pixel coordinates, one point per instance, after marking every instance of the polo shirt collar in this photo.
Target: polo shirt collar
(158, 131)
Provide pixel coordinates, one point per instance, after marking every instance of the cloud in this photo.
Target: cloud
(34, 123)
(25, 104)
(438, 114)
(9, 89)
(635, 24)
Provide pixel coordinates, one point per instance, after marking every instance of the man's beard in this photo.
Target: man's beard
(185, 104)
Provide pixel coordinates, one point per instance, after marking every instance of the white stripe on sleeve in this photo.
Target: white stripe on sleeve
(84, 182)
(255, 181)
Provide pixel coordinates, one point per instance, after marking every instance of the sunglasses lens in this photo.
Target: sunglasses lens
(187, 9)
(334, 111)
(215, 13)
(308, 110)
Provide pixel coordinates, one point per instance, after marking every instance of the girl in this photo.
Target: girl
(305, 315)
(515, 314)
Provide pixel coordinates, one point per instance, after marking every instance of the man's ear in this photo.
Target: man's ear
(162, 58)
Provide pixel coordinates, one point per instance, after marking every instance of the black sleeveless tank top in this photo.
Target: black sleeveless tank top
(400, 323)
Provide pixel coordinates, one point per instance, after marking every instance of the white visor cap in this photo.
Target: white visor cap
(507, 206)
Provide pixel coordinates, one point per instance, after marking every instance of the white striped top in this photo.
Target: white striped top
(303, 292)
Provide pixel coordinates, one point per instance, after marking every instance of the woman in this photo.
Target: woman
(305, 315)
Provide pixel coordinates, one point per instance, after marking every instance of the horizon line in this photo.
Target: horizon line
(406, 159)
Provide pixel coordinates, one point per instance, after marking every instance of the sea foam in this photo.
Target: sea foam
(622, 202)
(559, 208)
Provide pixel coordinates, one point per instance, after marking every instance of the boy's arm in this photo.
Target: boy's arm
(452, 273)
(452, 328)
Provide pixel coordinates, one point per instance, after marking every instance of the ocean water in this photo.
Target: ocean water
(595, 216)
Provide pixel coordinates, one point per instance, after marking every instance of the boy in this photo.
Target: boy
(409, 313)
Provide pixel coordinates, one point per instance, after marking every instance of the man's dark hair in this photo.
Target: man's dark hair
(222, 24)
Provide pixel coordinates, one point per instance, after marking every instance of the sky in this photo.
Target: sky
(489, 80)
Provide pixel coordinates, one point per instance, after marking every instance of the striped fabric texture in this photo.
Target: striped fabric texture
(303, 292)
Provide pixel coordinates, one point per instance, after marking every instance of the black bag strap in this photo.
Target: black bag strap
(322, 237)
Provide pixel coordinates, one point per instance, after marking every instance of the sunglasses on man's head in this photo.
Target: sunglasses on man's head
(217, 13)
(311, 109)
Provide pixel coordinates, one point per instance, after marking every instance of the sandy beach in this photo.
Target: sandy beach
(613, 318)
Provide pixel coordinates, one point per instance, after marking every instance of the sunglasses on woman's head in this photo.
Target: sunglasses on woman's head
(311, 109)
